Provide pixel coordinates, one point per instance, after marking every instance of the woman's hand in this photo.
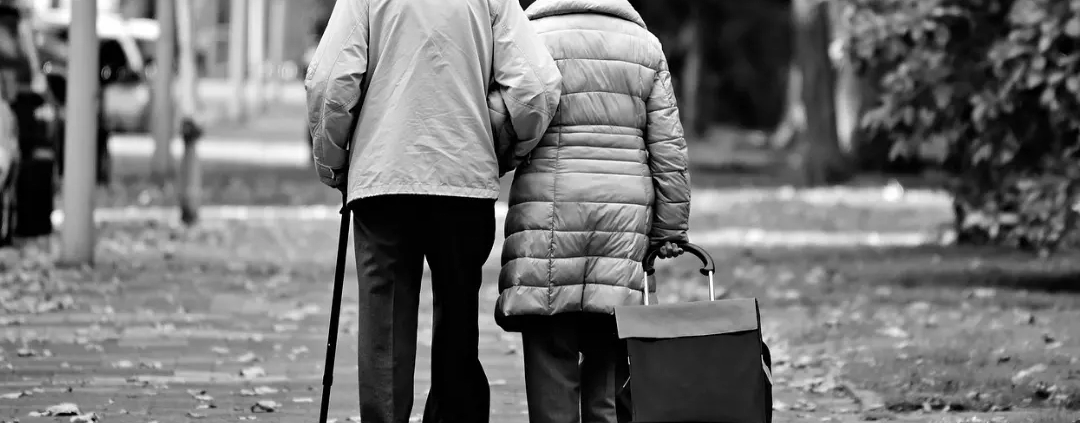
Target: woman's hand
(669, 250)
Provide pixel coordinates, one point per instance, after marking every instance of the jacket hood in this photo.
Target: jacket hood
(617, 8)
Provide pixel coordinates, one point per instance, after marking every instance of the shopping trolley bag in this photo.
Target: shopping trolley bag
(699, 361)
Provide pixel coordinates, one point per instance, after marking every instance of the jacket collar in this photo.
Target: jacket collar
(617, 8)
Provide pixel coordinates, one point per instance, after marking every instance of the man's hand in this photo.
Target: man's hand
(669, 250)
(335, 179)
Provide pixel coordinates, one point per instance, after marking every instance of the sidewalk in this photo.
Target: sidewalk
(202, 324)
(178, 325)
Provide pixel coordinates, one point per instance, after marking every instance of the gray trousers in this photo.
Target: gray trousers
(575, 370)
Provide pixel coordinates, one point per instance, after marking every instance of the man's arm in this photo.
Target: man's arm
(667, 162)
(528, 78)
(334, 88)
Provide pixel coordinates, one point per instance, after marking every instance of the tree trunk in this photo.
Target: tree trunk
(690, 81)
(824, 161)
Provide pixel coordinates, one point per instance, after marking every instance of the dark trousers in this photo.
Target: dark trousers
(394, 234)
(575, 370)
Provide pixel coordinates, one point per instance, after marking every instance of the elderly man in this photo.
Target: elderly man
(397, 104)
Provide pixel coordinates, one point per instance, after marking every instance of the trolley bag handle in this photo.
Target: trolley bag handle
(708, 268)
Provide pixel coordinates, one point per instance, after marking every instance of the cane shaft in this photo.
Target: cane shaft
(335, 314)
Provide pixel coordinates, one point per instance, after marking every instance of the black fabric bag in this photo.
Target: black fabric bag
(699, 361)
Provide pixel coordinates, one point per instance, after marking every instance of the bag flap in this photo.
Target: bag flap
(701, 318)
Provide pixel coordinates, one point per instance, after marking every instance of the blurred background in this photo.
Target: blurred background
(896, 181)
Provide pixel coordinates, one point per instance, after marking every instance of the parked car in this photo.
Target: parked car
(125, 87)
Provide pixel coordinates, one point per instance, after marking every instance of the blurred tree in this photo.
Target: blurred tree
(323, 8)
(989, 90)
(823, 161)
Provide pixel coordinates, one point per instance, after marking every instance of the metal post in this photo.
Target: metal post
(257, 53)
(163, 123)
(279, 18)
(190, 174)
(238, 58)
(77, 239)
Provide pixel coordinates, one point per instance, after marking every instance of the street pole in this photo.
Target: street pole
(190, 174)
(279, 16)
(237, 58)
(257, 53)
(163, 116)
(77, 239)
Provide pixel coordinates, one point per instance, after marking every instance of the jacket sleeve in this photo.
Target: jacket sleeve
(502, 130)
(334, 88)
(667, 162)
(529, 80)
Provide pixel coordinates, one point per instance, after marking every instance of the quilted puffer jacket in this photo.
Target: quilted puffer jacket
(609, 176)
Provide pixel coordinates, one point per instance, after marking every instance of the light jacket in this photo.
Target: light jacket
(608, 178)
(397, 94)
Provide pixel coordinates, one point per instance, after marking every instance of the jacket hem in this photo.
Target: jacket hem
(423, 189)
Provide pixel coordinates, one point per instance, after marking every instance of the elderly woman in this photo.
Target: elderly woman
(607, 182)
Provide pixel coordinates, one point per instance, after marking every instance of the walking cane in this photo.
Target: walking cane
(335, 308)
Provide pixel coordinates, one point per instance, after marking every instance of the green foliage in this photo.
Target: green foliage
(991, 90)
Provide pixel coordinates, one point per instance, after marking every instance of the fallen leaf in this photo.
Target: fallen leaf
(281, 327)
(355, 419)
(302, 400)
(62, 410)
(123, 364)
(804, 405)
(25, 352)
(219, 350)
(151, 365)
(265, 390)
(195, 415)
(85, 418)
(196, 392)
(265, 406)
(247, 358)
(1023, 374)
(803, 361)
(13, 395)
(895, 332)
(204, 398)
(984, 293)
(253, 372)
(300, 313)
